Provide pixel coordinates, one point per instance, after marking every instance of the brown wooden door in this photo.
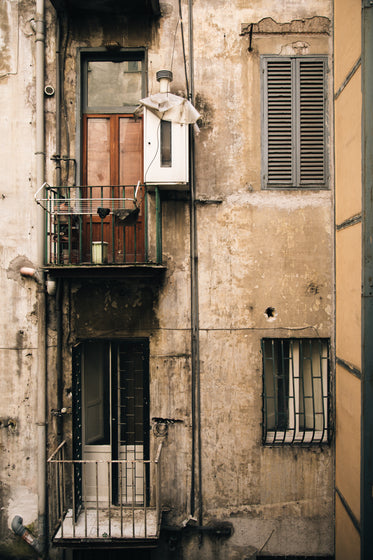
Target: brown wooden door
(112, 167)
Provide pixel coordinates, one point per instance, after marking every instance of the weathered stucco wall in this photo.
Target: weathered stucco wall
(256, 249)
(18, 248)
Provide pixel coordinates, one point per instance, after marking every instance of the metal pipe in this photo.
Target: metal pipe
(20, 530)
(42, 339)
(58, 100)
(366, 499)
(59, 299)
(196, 388)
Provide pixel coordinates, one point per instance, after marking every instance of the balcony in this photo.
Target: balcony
(86, 507)
(126, 7)
(99, 230)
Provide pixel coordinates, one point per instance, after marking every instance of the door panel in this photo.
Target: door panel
(112, 167)
(132, 416)
(115, 421)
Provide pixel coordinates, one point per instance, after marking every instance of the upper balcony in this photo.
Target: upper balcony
(127, 7)
(101, 230)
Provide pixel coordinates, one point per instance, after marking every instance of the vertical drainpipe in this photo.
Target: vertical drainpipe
(366, 485)
(59, 292)
(42, 338)
(196, 391)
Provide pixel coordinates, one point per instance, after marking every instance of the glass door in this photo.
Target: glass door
(115, 421)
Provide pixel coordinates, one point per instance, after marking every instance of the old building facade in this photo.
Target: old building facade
(167, 351)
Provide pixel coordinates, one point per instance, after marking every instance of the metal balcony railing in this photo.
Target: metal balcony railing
(86, 504)
(101, 225)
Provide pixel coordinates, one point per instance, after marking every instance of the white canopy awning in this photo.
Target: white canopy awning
(170, 107)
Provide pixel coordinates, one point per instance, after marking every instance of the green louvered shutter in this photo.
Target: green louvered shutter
(279, 123)
(311, 168)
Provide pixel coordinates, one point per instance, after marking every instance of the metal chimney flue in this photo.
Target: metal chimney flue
(164, 77)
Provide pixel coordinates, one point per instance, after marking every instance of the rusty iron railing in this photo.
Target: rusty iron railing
(104, 499)
(101, 225)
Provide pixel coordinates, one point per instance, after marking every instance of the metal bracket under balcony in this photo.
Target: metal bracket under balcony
(97, 231)
(126, 7)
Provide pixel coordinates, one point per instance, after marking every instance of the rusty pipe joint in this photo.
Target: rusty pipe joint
(20, 530)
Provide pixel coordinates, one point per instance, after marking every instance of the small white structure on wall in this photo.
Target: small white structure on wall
(166, 136)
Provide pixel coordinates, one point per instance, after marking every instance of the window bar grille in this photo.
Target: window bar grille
(74, 501)
(121, 497)
(62, 505)
(90, 224)
(69, 233)
(133, 497)
(324, 412)
(124, 229)
(293, 398)
(146, 223)
(312, 398)
(80, 238)
(112, 194)
(283, 380)
(102, 225)
(55, 474)
(135, 233)
(295, 391)
(63, 477)
(97, 511)
(84, 475)
(109, 496)
(275, 402)
(144, 495)
(158, 482)
(302, 403)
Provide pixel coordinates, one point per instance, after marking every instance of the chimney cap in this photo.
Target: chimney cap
(164, 74)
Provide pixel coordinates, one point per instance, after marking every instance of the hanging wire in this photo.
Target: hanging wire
(173, 47)
(63, 98)
(183, 44)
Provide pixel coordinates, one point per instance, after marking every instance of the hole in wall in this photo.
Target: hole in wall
(270, 314)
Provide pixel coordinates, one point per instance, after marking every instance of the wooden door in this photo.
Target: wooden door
(112, 168)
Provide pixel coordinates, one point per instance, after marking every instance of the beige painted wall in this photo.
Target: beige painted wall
(348, 294)
(347, 38)
(347, 50)
(347, 442)
(348, 143)
(347, 546)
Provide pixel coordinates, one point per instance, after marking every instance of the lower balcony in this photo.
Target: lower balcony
(101, 227)
(105, 503)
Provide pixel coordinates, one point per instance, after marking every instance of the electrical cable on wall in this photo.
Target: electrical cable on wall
(156, 152)
(183, 45)
(173, 48)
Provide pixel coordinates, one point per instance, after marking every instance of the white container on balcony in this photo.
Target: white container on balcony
(99, 252)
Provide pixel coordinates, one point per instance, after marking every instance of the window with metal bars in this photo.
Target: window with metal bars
(294, 145)
(295, 390)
